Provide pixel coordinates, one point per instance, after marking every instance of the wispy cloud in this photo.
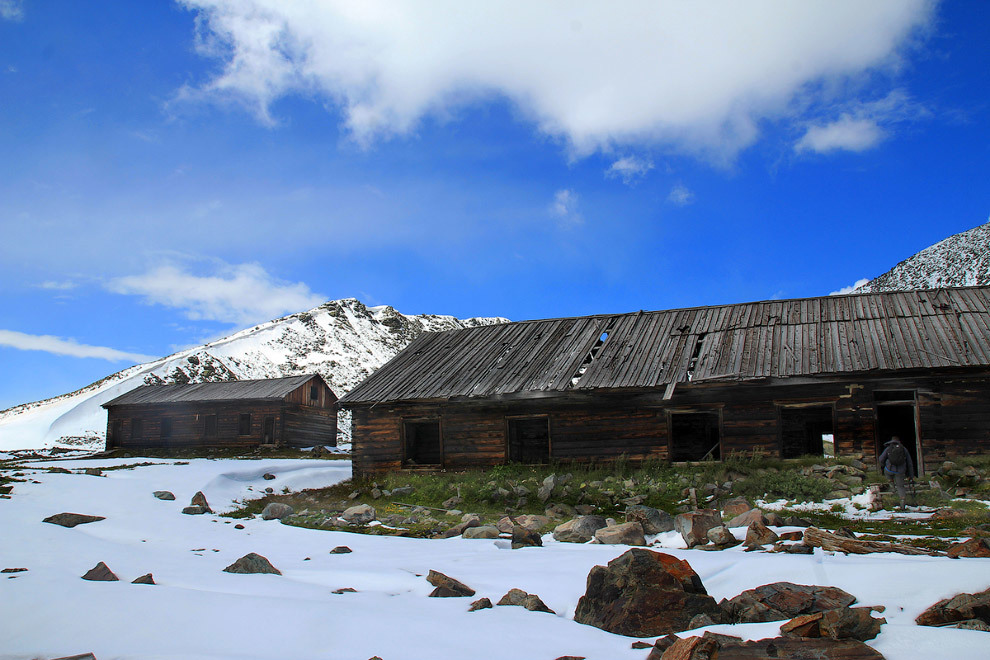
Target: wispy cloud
(70, 347)
(565, 208)
(575, 70)
(629, 168)
(851, 288)
(11, 10)
(243, 294)
(680, 195)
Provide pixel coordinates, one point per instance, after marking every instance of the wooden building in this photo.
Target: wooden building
(294, 411)
(836, 374)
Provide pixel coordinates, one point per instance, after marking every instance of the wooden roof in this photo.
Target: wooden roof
(234, 390)
(771, 339)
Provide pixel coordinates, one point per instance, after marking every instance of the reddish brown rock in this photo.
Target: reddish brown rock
(642, 593)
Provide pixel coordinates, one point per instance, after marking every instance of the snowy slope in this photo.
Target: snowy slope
(960, 260)
(342, 340)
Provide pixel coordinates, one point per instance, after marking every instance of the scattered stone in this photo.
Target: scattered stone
(200, 500)
(481, 532)
(72, 519)
(747, 518)
(252, 563)
(344, 590)
(961, 607)
(760, 534)
(783, 600)
(722, 537)
(978, 547)
(480, 604)
(268, 476)
(630, 533)
(164, 495)
(642, 593)
(578, 530)
(654, 521)
(100, 573)
(194, 510)
(694, 525)
(735, 507)
(13, 570)
(276, 511)
(147, 578)
(524, 538)
(520, 598)
(359, 514)
(447, 587)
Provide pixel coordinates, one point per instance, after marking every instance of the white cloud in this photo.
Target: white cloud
(244, 294)
(845, 133)
(70, 347)
(564, 207)
(695, 78)
(851, 288)
(629, 168)
(11, 10)
(680, 195)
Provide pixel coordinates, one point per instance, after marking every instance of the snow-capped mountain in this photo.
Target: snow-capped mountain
(342, 340)
(962, 259)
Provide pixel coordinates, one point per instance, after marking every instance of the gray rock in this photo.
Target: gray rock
(276, 511)
(630, 533)
(654, 521)
(100, 573)
(72, 519)
(164, 495)
(252, 563)
(578, 530)
(359, 514)
(481, 532)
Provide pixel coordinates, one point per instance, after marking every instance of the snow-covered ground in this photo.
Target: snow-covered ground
(198, 611)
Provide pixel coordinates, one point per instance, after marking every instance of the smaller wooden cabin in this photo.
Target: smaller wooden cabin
(298, 411)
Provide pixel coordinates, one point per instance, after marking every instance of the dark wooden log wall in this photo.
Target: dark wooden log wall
(953, 411)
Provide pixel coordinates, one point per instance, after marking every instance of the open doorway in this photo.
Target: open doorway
(422, 442)
(806, 430)
(898, 419)
(694, 436)
(529, 440)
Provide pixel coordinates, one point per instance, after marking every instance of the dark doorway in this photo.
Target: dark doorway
(268, 431)
(898, 419)
(694, 436)
(423, 446)
(529, 440)
(806, 431)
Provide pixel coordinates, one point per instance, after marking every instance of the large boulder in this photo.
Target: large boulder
(694, 525)
(579, 530)
(654, 521)
(961, 607)
(252, 563)
(359, 514)
(784, 600)
(72, 519)
(642, 593)
(630, 533)
(276, 511)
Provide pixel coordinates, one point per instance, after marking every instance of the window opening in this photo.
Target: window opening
(423, 446)
(807, 431)
(166, 429)
(244, 424)
(529, 440)
(592, 354)
(136, 429)
(694, 436)
(211, 425)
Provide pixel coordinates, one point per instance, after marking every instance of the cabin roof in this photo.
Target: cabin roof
(872, 332)
(234, 390)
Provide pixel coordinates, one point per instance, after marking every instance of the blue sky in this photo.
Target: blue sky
(172, 172)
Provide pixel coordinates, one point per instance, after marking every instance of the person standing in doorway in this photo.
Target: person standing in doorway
(895, 461)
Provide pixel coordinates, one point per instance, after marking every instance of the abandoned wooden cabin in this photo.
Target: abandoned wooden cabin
(294, 411)
(785, 378)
